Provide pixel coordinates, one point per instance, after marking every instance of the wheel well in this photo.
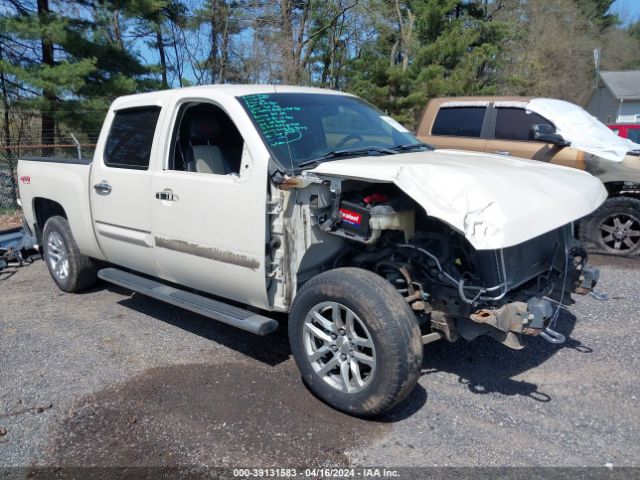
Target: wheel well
(44, 209)
(619, 189)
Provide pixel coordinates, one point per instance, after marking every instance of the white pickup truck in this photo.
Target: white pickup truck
(239, 201)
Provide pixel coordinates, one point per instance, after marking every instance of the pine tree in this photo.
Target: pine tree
(432, 48)
(151, 18)
(598, 11)
(43, 80)
(64, 68)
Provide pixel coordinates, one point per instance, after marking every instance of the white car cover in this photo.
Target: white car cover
(494, 201)
(584, 131)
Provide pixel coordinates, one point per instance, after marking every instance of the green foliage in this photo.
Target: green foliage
(455, 50)
(395, 53)
(598, 11)
(634, 31)
(88, 69)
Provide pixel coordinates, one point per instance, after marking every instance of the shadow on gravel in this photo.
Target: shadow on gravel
(257, 411)
(616, 261)
(487, 366)
(237, 414)
(253, 412)
(271, 352)
(8, 272)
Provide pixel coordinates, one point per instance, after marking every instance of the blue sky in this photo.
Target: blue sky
(627, 10)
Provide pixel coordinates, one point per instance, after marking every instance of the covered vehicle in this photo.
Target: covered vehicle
(551, 131)
(238, 201)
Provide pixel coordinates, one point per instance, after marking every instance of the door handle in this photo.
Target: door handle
(167, 196)
(102, 187)
(501, 152)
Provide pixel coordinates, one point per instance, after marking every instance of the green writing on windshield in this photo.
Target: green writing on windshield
(276, 122)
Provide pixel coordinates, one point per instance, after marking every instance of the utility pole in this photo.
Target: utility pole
(596, 61)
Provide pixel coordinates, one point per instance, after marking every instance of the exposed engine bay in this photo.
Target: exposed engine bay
(453, 289)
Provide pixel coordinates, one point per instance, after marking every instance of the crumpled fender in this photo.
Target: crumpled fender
(494, 201)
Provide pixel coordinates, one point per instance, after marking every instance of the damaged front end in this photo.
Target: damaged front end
(507, 293)
(454, 289)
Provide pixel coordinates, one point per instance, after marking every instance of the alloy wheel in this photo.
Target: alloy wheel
(620, 232)
(339, 347)
(57, 256)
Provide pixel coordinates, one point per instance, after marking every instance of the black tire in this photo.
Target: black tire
(599, 230)
(387, 320)
(80, 271)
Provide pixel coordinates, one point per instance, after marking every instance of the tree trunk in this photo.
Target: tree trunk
(214, 53)
(161, 53)
(5, 106)
(116, 27)
(7, 132)
(286, 32)
(48, 122)
(179, 64)
(224, 54)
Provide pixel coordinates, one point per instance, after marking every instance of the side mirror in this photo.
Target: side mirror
(543, 132)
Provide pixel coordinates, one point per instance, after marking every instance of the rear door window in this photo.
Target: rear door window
(459, 121)
(515, 123)
(130, 138)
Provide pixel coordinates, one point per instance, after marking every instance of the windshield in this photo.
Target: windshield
(300, 128)
(634, 134)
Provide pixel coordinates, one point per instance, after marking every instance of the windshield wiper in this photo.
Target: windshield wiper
(347, 152)
(412, 146)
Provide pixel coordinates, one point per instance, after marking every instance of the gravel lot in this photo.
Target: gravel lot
(113, 378)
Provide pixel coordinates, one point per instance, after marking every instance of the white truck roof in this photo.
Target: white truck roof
(129, 101)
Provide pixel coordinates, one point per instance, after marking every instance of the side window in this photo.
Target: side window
(515, 123)
(634, 134)
(206, 140)
(130, 138)
(459, 121)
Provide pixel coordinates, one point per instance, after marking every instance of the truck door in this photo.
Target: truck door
(120, 187)
(512, 136)
(208, 211)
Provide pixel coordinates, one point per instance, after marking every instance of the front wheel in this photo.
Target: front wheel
(356, 341)
(615, 227)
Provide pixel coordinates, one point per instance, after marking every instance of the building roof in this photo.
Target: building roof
(623, 84)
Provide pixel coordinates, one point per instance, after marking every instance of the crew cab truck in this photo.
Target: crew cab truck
(554, 131)
(238, 201)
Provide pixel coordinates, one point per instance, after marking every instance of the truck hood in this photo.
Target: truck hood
(494, 201)
(585, 132)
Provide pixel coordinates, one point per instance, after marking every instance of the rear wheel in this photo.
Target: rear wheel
(615, 227)
(71, 270)
(356, 341)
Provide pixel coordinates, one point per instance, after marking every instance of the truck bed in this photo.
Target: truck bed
(66, 182)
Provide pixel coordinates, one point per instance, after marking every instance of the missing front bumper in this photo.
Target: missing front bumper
(534, 317)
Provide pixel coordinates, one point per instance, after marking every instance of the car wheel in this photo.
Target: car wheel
(71, 270)
(615, 227)
(355, 340)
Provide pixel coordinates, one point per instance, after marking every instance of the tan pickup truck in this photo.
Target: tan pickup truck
(551, 131)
